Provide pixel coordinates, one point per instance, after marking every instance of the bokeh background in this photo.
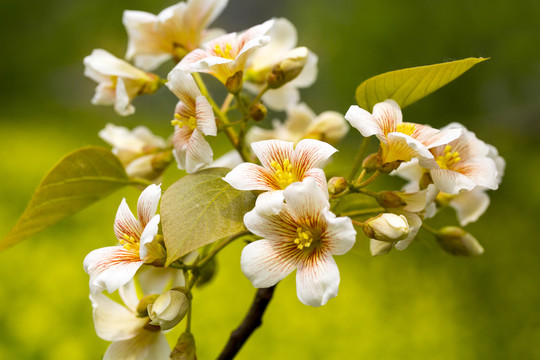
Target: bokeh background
(417, 304)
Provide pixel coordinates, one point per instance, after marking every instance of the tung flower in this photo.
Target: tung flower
(303, 236)
(118, 81)
(282, 165)
(111, 267)
(174, 32)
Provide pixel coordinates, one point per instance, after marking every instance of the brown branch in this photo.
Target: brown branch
(251, 322)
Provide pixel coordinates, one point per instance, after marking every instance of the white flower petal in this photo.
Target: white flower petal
(451, 182)
(183, 85)
(125, 224)
(147, 345)
(388, 115)
(270, 202)
(340, 234)
(155, 280)
(198, 152)
(377, 247)
(128, 294)
(310, 153)
(272, 150)
(414, 222)
(281, 98)
(148, 203)
(266, 262)
(228, 160)
(206, 122)
(149, 233)
(248, 176)
(284, 38)
(306, 199)
(281, 228)
(470, 205)
(481, 170)
(403, 148)
(363, 121)
(309, 73)
(317, 279)
(123, 99)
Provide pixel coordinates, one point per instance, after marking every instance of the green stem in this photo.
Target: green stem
(219, 247)
(430, 229)
(357, 223)
(359, 158)
(371, 179)
(259, 96)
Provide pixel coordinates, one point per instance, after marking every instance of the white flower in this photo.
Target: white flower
(118, 82)
(194, 119)
(303, 123)
(174, 32)
(226, 55)
(282, 46)
(387, 227)
(400, 141)
(282, 165)
(135, 148)
(131, 334)
(303, 236)
(113, 266)
(168, 309)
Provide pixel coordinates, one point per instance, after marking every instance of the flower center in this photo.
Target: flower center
(180, 121)
(130, 243)
(449, 158)
(405, 128)
(304, 239)
(283, 173)
(224, 53)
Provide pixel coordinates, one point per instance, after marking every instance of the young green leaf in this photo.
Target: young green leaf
(407, 86)
(78, 180)
(199, 209)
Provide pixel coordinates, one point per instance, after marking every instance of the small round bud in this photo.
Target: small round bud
(184, 348)
(258, 112)
(388, 167)
(289, 68)
(457, 241)
(389, 200)
(168, 309)
(371, 162)
(234, 83)
(337, 185)
(144, 303)
(387, 227)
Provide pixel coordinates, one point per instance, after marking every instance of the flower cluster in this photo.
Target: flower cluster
(300, 219)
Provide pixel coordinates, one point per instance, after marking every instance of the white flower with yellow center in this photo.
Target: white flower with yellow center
(194, 119)
(282, 165)
(226, 55)
(303, 236)
(400, 141)
(113, 266)
(174, 32)
(118, 81)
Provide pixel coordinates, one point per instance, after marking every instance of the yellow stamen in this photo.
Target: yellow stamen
(406, 128)
(304, 239)
(283, 173)
(224, 53)
(180, 121)
(449, 158)
(130, 243)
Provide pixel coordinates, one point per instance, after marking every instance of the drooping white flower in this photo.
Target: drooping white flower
(282, 46)
(282, 165)
(226, 55)
(113, 266)
(135, 148)
(118, 81)
(400, 141)
(131, 334)
(174, 32)
(303, 236)
(194, 118)
(303, 123)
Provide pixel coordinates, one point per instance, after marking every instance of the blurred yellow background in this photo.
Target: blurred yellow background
(417, 304)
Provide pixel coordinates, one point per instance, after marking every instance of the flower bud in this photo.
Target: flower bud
(168, 309)
(142, 308)
(161, 160)
(185, 348)
(330, 127)
(388, 167)
(258, 112)
(289, 68)
(387, 227)
(234, 83)
(389, 200)
(380, 247)
(337, 185)
(371, 162)
(457, 241)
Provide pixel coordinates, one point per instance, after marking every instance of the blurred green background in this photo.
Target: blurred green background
(417, 304)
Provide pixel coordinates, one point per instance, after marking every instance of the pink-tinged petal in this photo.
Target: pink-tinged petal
(125, 224)
(470, 205)
(183, 85)
(270, 202)
(319, 177)
(403, 148)
(388, 115)
(114, 322)
(149, 233)
(200, 60)
(128, 294)
(364, 122)
(148, 203)
(431, 137)
(111, 267)
(146, 345)
(340, 234)
(481, 170)
(206, 121)
(414, 222)
(273, 150)
(377, 247)
(317, 279)
(248, 176)
(255, 36)
(265, 262)
(280, 228)
(310, 154)
(451, 182)
(306, 199)
(198, 152)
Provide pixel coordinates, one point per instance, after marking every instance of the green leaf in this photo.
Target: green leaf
(201, 208)
(78, 180)
(407, 86)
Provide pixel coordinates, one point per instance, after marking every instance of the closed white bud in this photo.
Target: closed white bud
(387, 227)
(457, 241)
(168, 309)
(377, 247)
(289, 68)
